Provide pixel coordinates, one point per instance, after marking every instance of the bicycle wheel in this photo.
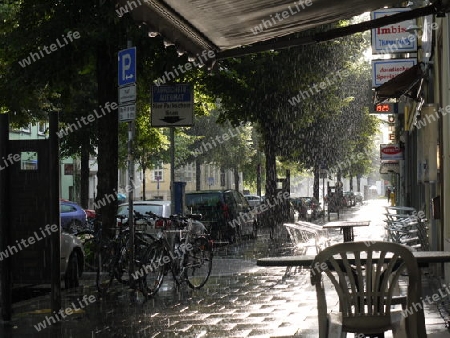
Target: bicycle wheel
(105, 259)
(141, 242)
(151, 267)
(122, 265)
(198, 262)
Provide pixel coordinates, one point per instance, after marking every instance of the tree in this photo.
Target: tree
(279, 92)
(37, 79)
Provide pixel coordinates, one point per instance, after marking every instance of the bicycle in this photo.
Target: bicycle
(112, 257)
(189, 256)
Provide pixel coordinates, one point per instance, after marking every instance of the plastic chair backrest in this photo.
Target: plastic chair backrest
(364, 275)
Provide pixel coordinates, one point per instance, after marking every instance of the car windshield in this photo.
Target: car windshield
(196, 200)
(141, 208)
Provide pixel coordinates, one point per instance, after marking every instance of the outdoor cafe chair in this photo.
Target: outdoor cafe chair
(304, 238)
(365, 277)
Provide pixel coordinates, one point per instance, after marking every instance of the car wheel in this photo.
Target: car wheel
(72, 279)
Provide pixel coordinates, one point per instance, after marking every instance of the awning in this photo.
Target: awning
(407, 83)
(234, 27)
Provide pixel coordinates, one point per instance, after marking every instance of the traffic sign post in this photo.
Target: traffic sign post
(127, 94)
(172, 105)
(127, 66)
(127, 113)
(126, 80)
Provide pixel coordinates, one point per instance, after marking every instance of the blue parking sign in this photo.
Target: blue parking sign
(127, 66)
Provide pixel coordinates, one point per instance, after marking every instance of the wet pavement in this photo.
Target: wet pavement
(239, 300)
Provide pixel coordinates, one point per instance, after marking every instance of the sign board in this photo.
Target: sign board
(390, 167)
(127, 112)
(385, 108)
(385, 70)
(391, 152)
(127, 94)
(127, 66)
(172, 105)
(393, 38)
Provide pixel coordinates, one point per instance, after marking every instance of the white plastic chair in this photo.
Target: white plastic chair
(305, 238)
(365, 282)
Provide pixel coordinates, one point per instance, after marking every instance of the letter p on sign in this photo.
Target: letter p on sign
(127, 66)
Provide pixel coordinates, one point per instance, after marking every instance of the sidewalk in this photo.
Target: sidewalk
(239, 300)
(435, 315)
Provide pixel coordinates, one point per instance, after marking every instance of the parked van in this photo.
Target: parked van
(225, 213)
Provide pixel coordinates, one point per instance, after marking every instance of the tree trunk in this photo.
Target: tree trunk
(107, 133)
(143, 183)
(271, 169)
(339, 175)
(351, 182)
(236, 178)
(316, 182)
(273, 216)
(84, 184)
(358, 183)
(198, 175)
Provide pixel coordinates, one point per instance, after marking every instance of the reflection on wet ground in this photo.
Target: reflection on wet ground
(239, 300)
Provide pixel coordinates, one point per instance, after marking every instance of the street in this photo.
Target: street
(239, 300)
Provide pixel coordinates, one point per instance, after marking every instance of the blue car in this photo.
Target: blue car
(73, 217)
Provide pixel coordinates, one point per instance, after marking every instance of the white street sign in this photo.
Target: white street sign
(172, 105)
(393, 38)
(127, 113)
(385, 70)
(127, 94)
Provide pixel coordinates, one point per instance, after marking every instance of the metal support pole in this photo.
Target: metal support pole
(5, 231)
(131, 192)
(172, 170)
(131, 197)
(55, 241)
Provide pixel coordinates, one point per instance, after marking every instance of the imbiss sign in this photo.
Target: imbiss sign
(393, 38)
(391, 152)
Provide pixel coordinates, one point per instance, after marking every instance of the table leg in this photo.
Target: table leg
(348, 234)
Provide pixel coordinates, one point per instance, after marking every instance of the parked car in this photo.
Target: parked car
(72, 260)
(158, 207)
(73, 217)
(225, 213)
(253, 200)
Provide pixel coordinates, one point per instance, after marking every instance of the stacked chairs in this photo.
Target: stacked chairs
(407, 229)
(307, 238)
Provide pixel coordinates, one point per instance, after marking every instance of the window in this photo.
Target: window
(67, 208)
(158, 172)
(26, 129)
(42, 128)
(28, 160)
